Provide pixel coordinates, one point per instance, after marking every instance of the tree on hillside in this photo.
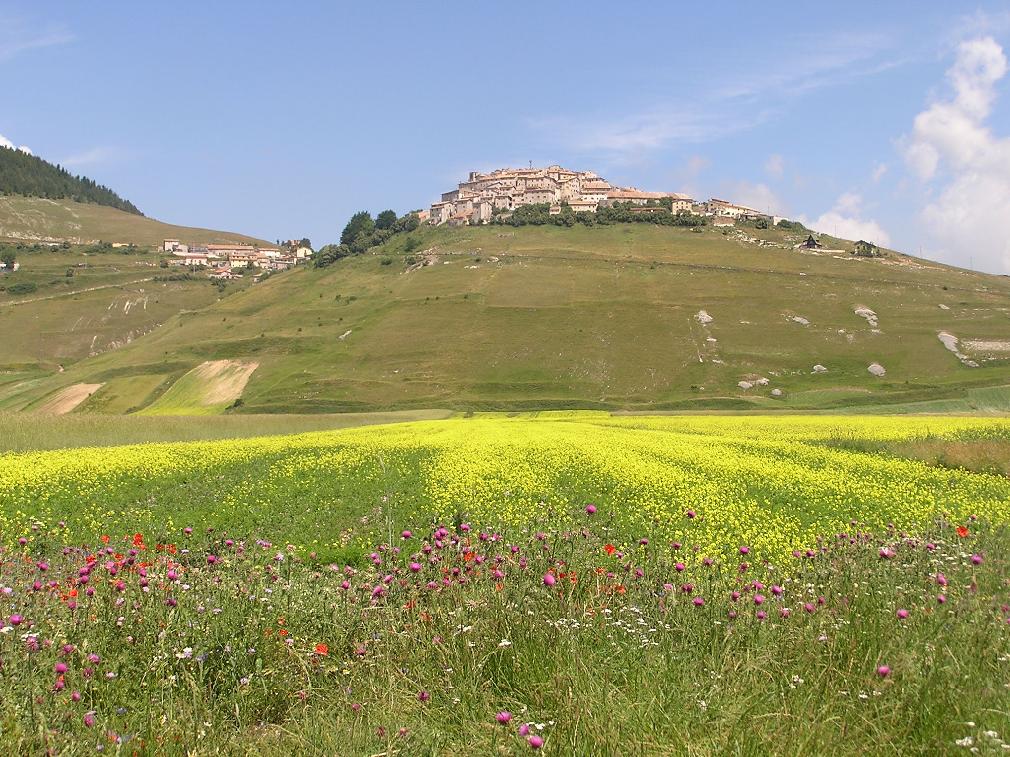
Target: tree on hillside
(361, 223)
(330, 254)
(7, 257)
(790, 225)
(407, 223)
(864, 249)
(31, 176)
(385, 219)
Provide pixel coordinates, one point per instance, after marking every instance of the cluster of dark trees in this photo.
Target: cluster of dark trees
(538, 214)
(864, 249)
(791, 225)
(31, 176)
(21, 287)
(363, 232)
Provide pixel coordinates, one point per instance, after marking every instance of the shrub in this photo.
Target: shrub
(22, 287)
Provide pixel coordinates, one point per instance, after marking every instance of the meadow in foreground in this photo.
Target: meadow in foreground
(458, 640)
(576, 585)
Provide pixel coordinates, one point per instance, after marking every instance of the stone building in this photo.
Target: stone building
(483, 195)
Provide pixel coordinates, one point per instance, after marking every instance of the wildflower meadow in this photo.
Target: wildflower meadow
(566, 584)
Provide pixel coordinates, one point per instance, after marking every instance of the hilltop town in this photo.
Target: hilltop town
(226, 260)
(484, 197)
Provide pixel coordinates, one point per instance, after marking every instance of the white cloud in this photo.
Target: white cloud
(954, 152)
(89, 157)
(731, 103)
(16, 37)
(844, 220)
(647, 130)
(775, 166)
(812, 62)
(757, 196)
(878, 172)
(4, 142)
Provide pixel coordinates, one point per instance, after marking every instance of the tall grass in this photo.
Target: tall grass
(882, 644)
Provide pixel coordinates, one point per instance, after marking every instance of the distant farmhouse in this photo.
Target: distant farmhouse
(226, 259)
(484, 195)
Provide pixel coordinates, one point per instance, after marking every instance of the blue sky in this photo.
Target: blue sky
(885, 120)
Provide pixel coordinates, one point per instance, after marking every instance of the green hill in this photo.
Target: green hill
(36, 219)
(22, 173)
(63, 305)
(633, 317)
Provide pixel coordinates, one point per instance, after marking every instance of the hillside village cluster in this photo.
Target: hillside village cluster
(484, 195)
(227, 260)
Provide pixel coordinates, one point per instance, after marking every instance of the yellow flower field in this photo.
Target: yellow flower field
(775, 483)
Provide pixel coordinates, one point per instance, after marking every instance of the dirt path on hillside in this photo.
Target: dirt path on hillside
(225, 379)
(77, 291)
(67, 399)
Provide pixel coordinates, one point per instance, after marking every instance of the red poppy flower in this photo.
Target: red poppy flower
(609, 549)
(322, 649)
(962, 531)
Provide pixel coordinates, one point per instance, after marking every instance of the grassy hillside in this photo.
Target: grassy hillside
(603, 317)
(110, 300)
(36, 219)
